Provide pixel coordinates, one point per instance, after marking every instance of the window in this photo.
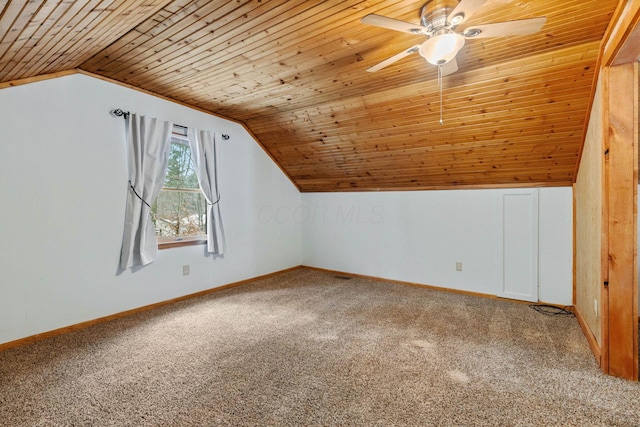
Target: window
(179, 213)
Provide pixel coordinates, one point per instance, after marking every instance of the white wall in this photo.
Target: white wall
(63, 184)
(555, 251)
(419, 236)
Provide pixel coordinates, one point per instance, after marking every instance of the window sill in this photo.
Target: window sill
(180, 243)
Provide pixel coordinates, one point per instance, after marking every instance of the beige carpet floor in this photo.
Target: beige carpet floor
(308, 348)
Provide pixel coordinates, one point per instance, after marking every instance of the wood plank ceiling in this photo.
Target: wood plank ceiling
(293, 71)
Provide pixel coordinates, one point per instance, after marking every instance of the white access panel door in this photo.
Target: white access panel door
(518, 244)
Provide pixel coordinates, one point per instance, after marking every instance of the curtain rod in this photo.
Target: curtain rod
(119, 113)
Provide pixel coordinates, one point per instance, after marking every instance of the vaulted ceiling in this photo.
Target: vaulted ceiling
(293, 71)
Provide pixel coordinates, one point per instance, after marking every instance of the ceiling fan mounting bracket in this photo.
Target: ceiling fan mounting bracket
(457, 19)
(472, 32)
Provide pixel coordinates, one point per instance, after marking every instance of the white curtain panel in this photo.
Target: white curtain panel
(205, 155)
(148, 142)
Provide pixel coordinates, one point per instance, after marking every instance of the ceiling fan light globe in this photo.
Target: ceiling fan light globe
(442, 48)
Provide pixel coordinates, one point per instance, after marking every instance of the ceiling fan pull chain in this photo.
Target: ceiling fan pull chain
(440, 86)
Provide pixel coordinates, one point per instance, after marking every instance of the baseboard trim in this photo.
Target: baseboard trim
(591, 338)
(82, 325)
(435, 288)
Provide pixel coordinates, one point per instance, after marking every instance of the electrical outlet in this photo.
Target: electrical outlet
(595, 307)
(185, 270)
(458, 266)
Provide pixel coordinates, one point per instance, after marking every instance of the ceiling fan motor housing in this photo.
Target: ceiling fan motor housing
(434, 13)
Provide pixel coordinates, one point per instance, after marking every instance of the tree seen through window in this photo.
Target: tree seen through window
(179, 212)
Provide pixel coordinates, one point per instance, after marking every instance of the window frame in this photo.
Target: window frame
(180, 133)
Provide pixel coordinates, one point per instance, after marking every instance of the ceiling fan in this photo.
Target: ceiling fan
(439, 22)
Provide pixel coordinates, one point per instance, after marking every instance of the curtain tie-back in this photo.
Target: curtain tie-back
(216, 202)
(138, 196)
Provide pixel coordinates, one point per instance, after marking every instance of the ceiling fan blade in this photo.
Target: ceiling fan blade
(393, 24)
(393, 59)
(464, 10)
(450, 67)
(509, 28)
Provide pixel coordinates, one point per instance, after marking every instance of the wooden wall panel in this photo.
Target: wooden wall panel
(621, 171)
